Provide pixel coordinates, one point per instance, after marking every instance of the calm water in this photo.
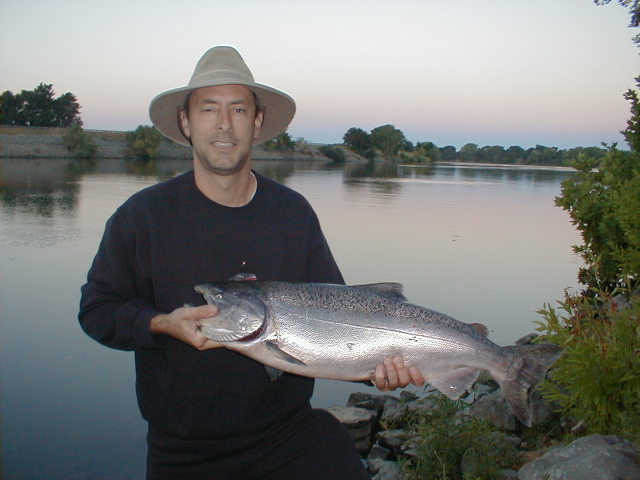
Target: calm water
(483, 244)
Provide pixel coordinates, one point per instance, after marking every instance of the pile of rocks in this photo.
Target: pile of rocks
(588, 457)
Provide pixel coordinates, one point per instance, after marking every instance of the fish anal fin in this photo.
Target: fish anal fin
(273, 373)
(282, 355)
(386, 289)
(455, 382)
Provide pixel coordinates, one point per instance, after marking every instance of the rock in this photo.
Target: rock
(393, 412)
(376, 457)
(495, 409)
(394, 439)
(389, 471)
(508, 475)
(359, 422)
(587, 458)
(368, 401)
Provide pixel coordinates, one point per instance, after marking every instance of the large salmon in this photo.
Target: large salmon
(342, 332)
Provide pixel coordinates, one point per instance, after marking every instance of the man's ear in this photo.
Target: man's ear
(183, 123)
(257, 124)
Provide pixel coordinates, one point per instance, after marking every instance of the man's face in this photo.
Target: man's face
(222, 124)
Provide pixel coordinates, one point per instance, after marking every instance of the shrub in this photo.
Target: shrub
(79, 143)
(143, 143)
(598, 378)
(334, 153)
(603, 200)
(444, 440)
(281, 142)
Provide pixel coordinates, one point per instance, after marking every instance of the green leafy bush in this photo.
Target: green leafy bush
(281, 143)
(78, 143)
(334, 153)
(143, 143)
(445, 439)
(603, 200)
(598, 378)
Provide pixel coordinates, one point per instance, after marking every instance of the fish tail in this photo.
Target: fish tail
(528, 365)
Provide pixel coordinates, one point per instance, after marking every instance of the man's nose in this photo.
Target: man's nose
(224, 121)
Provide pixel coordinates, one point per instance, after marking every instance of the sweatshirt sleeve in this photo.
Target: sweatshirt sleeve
(321, 266)
(115, 305)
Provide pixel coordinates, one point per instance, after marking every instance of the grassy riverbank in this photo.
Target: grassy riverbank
(37, 142)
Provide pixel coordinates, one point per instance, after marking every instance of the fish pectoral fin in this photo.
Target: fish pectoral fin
(455, 382)
(276, 351)
(273, 373)
(386, 289)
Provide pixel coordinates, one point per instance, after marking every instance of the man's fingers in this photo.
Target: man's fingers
(402, 372)
(416, 377)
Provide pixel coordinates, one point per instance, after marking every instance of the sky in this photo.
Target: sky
(489, 72)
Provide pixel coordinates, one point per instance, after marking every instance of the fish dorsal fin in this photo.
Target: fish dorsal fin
(386, 289)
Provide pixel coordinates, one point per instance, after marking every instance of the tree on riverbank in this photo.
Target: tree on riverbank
(39, 108)
(596, 381)
(80, 144)
(143, 143)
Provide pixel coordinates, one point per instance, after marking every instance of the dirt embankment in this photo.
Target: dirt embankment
(37, 142)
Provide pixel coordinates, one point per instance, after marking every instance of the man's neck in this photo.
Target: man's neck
(234, 190)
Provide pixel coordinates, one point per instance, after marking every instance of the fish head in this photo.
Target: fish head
(241, 313)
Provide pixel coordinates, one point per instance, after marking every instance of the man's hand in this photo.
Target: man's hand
(183, 324)
(393, 373)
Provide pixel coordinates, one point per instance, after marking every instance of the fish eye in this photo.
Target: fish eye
(218, 296)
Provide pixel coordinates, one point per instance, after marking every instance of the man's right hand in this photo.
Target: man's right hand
(183, 324)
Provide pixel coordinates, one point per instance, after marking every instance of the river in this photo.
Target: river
(480, 243)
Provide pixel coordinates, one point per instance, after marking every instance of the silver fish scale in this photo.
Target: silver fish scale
(324, 325)
(376, 308)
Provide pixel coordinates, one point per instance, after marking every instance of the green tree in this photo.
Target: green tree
(79, 143)
(66, 110)
(359, 141)
(39, 108)
(448, 153)
(634, 11)
(280, 142)
(426, 152)
(143, 143)
(388, 139)
(469, 152)
(603, 200)
(514, 154)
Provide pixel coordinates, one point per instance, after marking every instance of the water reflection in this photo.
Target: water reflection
(40, 187)
(478, 242)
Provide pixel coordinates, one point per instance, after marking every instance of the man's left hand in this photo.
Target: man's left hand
(393, 373)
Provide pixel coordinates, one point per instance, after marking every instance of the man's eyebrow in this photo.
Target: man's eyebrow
(239, 101)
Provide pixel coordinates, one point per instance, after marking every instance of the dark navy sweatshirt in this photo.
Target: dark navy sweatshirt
(157, 246)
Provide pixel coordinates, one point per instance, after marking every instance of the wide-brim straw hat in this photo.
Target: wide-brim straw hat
(223, 66)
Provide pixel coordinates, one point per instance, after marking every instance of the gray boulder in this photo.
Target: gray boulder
(359, 422)
(587, 458)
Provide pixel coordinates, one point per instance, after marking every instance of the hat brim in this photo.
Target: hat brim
(278, 106)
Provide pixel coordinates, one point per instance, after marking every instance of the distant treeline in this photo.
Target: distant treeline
(538, 155)
(390, 144)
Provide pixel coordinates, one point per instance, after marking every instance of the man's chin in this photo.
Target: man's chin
(224, 168)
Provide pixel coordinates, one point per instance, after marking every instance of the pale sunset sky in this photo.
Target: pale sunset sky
(490, 72)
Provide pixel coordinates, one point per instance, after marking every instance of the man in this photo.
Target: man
(213, 413)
